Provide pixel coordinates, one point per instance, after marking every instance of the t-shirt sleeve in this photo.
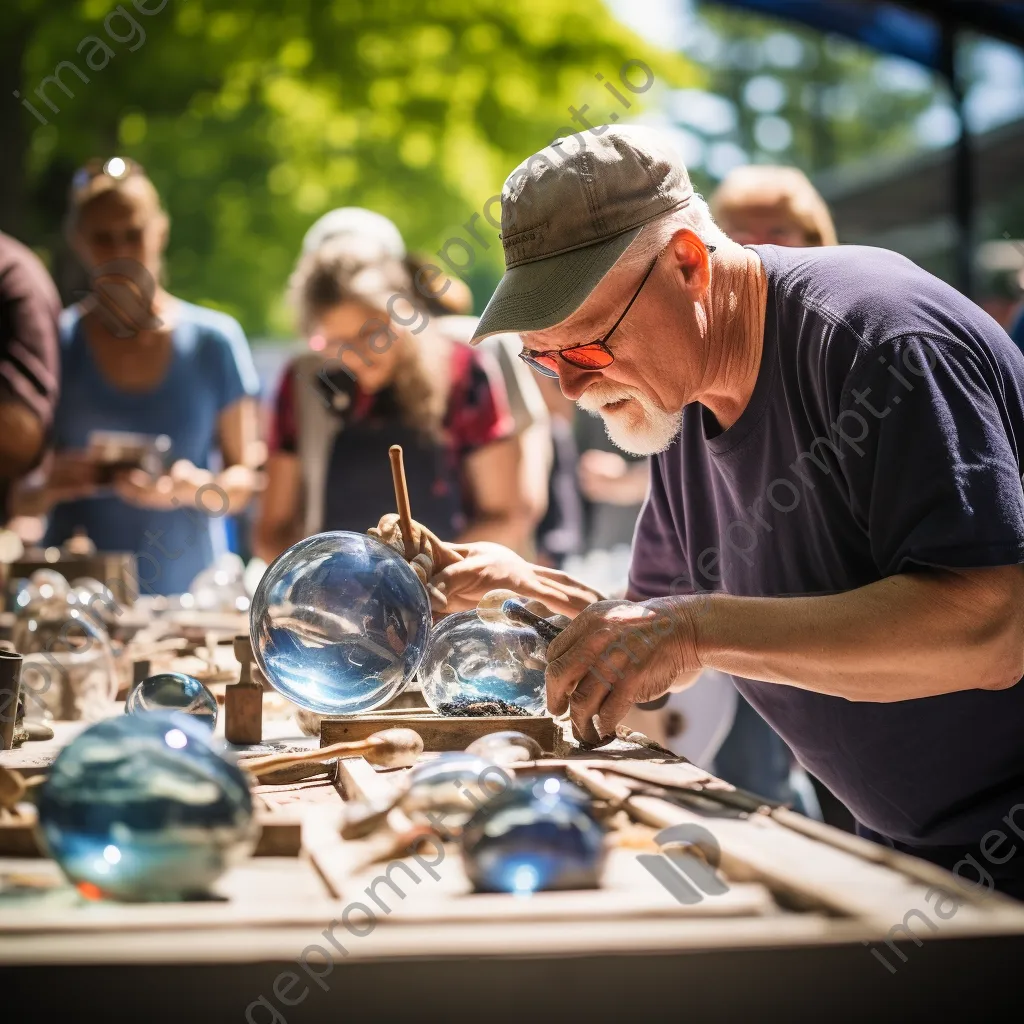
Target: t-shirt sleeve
(284, 432)
(478, 412)
(933, 474)
(238, 377)
(29, 360)
(658, 565)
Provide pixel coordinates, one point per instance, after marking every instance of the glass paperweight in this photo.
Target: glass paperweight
(539, 834)
(173, 691)
(69, 670)
(506, 747)
(474, 667)
(453, 786)
(142, 807)
(339, 623)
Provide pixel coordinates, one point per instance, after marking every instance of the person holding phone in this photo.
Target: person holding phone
(136, 359)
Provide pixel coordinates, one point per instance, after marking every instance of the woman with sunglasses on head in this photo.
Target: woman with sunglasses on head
(137, 360)
(381, 372)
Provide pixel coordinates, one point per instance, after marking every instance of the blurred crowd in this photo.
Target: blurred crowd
(90, 395)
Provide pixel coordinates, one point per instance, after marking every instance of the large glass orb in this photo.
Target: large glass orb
(339, 623)
(142, 807)
(539, 834)
(173, 691)
(476, 667)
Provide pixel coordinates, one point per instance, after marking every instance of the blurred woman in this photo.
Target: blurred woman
(136, 359)
(380, 372)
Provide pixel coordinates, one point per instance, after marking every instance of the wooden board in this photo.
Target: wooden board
(438, 732)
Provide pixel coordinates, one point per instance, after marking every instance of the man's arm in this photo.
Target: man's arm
(905, 637)
(908, 636)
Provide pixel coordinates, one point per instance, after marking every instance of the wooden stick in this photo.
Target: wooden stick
(390, 748)
(402, 498)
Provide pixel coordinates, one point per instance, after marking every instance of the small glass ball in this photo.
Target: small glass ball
(473, 667)
(506, 747)
(539, 834)
(173, 691)
(142, 807)
(339, 623)
(453, 786)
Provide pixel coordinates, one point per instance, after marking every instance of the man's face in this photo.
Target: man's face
(640, 396)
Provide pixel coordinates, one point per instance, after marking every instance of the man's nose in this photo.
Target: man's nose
(574, 381)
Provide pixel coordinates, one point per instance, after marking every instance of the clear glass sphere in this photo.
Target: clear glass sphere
(539, 834)
(173, 691)
(142, 807)
(473, 666)
(339, 623)
(452, 787)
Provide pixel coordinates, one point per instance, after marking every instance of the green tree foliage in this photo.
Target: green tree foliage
(255, 118)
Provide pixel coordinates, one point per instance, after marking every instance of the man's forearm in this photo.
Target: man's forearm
(904, 637)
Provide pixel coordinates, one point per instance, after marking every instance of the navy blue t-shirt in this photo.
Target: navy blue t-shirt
(884, 435)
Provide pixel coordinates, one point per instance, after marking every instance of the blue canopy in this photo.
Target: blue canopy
(913, 29)
(924, 31)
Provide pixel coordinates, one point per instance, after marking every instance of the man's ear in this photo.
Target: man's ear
(691, 258)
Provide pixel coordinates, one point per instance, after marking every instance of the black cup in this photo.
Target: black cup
(10, 693)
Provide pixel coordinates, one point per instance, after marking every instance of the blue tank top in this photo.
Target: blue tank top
(211, 368)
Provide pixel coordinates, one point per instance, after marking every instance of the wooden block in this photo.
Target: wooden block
(18, 832)
(280, 835)
(243, 712)
(437, 731)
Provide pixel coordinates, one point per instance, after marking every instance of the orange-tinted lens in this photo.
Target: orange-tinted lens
(588, 357)
(546, 364)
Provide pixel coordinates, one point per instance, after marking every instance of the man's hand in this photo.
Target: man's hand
(617, 654)
(484, 566)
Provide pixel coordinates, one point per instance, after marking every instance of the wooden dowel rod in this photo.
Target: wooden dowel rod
(402, 498)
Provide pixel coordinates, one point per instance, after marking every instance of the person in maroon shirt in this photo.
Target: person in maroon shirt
(379, 373)
(29, 367)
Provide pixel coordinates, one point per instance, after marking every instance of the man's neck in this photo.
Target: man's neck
(735, 311)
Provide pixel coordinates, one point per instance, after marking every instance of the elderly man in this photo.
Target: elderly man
(836, 515)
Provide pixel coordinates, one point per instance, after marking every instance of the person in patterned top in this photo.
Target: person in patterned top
(379, 372)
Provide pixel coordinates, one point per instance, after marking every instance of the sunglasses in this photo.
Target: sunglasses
(117, 167)
(591, 355)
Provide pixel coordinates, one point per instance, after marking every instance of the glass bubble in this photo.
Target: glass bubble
(506, 747)
(539, 834)
(142, 807)
(173, 691)
(339, 623)
(69, 670)
(453, 785)
(477, 667)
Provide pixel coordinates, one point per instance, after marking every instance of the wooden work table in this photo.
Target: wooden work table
(793, 935)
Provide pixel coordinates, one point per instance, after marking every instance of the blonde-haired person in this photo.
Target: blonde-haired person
(766, 205)
(135, 358)
(380, 372)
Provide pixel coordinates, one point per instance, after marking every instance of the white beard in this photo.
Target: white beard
(640, 427)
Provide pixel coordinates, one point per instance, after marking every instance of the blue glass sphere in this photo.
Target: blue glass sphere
(339, 623)
(173, 691)
(539, 834)
(472, 665)
(142, 807)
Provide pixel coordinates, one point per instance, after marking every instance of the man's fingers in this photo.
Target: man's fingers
(584, 703)
(614, 709)
(566, 670)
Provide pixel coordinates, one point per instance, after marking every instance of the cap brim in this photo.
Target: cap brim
(537, 295)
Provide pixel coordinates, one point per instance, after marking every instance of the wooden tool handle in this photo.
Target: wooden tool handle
(390, 748)
(402, 498)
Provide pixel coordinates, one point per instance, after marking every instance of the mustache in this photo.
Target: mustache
(602, 393)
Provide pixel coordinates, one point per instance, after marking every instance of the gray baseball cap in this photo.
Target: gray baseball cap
(354, 220)
(569, 212)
